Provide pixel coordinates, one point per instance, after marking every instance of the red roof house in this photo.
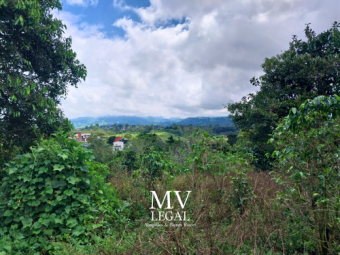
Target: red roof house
(118, 138)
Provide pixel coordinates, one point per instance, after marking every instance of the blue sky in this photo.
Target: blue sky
(178, 58)
(105, 13)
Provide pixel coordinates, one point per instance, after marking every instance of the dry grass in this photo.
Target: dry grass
(220, 228)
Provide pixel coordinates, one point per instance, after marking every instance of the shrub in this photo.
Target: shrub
(126, 159)
(54, 192)
(102, 152)
(111, 139)
(308, 150)
(155, 164)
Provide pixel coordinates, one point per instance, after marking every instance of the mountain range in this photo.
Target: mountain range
(134, 120)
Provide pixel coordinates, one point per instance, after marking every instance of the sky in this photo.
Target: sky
(178, 58)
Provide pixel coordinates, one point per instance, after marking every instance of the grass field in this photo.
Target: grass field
(165, 135)
(162, 135)
(133, 135)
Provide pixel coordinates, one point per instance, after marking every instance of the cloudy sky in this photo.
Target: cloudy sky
(179, 58)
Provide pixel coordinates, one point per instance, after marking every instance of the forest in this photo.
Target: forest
(268, 185)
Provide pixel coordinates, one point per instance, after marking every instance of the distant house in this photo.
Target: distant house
(119, 143)
(81, 137)
(85, 136)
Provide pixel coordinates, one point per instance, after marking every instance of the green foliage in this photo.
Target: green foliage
(147, 129)
(198, 156)
(150, 140)
(232, 139)
(170, 140)
(111, 139)
(261, 159)
(102, 152)
(127, 159)
(128, 136)
(54, 192)
(307, 69)
(308, 151)
(36, 65)
(220, 145)
(233, 166)
(205, 121)
(155, 164)
(115, 243)
(242, 192)
(220, 130)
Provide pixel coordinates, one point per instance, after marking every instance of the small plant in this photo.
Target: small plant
(241, 193)
(198, 158)
(156, 164)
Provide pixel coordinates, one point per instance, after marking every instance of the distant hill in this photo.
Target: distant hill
(134, 120)
(131, 120)
(205, 121)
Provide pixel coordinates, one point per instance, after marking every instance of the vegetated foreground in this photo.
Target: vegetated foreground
(236, 209)
(63, 204)
(233, 207)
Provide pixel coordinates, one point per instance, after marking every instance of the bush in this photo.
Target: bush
(308, 150)
(155, 164)
(111, 139)
(54, 192)
(102, 152)
(126, 159)
(232, 139)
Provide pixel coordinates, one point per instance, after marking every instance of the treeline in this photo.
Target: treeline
(175, 129)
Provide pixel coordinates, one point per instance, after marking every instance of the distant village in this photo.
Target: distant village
(118, 143)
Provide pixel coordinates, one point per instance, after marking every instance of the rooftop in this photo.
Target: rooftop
(118, 138)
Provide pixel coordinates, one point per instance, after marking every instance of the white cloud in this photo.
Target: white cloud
(190, 69)
(82, 2)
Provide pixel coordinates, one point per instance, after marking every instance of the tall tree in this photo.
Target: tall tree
(307, 69)
(111, 139)
(36, 65)
(170, 140)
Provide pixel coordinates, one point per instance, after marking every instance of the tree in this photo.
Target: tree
(170, 140)
(307, 143)
(148, 140)
(127, 159)
(101, 151)
(111, 140)
(147, 129)
(36, 65)
(307, 69)
(232, 139)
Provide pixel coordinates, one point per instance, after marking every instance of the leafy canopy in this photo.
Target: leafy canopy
(307, 69)
(36, 65)
(111, 139)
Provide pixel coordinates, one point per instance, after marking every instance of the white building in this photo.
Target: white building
(119, 143)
